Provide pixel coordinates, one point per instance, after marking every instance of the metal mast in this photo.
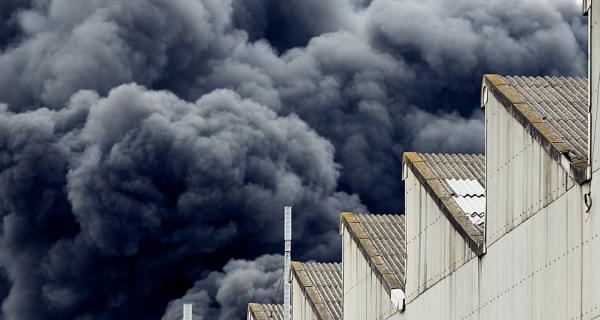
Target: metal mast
(287, 237)
(187, 311)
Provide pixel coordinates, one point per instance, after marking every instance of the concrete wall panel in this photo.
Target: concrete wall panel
(434, 248)
(365, 297)
(521, 177)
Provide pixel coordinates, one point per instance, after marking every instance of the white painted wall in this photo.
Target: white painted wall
(521, 177)
(591, 253)
(594, 81)
(454, 297)
(365, 297)
(591, 225)
(434, 248)
(530, 273)
(301, 308)
(543, 254)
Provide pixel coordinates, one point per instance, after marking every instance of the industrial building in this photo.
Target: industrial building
(317, 294)
(374, 264)
(512, 234)
(316, 291)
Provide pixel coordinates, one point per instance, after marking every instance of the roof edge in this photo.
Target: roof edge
(371, 254)
(535, 126)
(256, 311)
(313, 297)
(445, 203)
(251, 306)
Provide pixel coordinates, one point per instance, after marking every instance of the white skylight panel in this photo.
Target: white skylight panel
(470, 197)
(464, 187)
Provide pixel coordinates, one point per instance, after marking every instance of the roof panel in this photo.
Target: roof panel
(466, 187)
(561, 102)
(462, 177)
(266, 311)
(473, 207)
(326, 280)
(456, 166)
(387, 234)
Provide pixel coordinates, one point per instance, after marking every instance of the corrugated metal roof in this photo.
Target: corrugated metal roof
(561, 102)
(266, 311)
(382, 237)
(326, 280)
(456, 184)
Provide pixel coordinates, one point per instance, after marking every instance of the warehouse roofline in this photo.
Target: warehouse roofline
(265, 311)
(560, 147)
(436, 189)
(390, 267)
(322, 283)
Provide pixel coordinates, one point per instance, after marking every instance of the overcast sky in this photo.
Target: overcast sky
(148, 147)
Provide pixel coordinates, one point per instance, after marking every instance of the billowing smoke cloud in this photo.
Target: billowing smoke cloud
(116, 198)
(137, 193)
(9, 26)
(224, 295)
(446, 132)
(288, 24)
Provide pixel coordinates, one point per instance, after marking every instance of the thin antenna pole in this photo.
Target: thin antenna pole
(287, 237)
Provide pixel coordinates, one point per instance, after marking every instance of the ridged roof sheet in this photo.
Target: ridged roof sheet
(561, 102)
(466, 187)
(553, 110)
(456, 166)
(463, 176)
(456, 182)
(326, 280)
(266, 311)
(470, 197)
(382, 239)
(387, 233)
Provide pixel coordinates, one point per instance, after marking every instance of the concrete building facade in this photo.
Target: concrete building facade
(512, 234)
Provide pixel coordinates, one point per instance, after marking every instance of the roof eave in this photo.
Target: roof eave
(313, 297)
(373, 257)
(251, 306)
(256, 311)
(469, 232)
(534, 125)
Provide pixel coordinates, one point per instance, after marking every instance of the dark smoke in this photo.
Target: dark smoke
(139, 193)
(9, 29)
(224, 295)
(146, 143)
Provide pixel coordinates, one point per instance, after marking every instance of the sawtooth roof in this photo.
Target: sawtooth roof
(266, 311)
(438, 173)
(322, 283)
(552, 109)
(382, 240)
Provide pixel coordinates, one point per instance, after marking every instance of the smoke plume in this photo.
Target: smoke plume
(147, 147)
